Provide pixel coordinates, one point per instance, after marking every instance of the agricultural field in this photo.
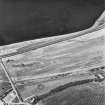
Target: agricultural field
(52, 64)
(78, 54)
(88, 94)
(69, 55)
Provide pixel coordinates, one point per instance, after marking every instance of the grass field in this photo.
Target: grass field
(80, 95)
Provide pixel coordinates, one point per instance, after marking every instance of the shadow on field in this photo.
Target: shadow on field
(77, 96)
(22, 20)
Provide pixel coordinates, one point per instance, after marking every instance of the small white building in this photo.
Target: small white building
(10, 97)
